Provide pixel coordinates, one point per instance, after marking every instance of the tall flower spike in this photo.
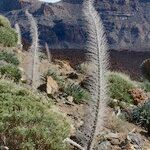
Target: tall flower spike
(34, 65)
(97, 55)
(17, 27)
(48, 53)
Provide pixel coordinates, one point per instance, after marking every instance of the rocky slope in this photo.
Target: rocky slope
(127, 22)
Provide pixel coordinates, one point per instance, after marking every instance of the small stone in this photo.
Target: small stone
(114, 138)
(4, 148)
(115, 100)
(112, 135)
(80, 123)
(70, 99)
(106, 145)
(115, 141)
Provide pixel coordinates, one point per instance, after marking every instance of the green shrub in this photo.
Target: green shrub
(79, 94)
(119, 86)
(11, 72)
(83, 67)
(141, 116)
(4, 22)
(145, 68)
(8, 37)
(56, 76)
(27, 121)
(42, 56)
(53, 73)
(9, 58)
(145, 86)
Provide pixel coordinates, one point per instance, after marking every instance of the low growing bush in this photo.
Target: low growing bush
(9, 58)
(8, 37)
(119, 86)
(79, 94)
(145, 68)
(27, 121)
(83, 67)
(55, 74)
(145, 85)
(141, 116)
(11, 72)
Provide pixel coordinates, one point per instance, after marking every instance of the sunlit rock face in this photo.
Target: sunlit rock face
(127, 22)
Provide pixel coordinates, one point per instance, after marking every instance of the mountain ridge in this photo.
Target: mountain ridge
(127, 23)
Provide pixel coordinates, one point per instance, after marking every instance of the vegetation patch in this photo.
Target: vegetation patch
(83, 67)
(27, 122)
(79, 94)
(8, 36)
(145, 68)
(9, 58)
(55, 74)
(119, 86)
(141, 116)
(11, 71)
(145, 86)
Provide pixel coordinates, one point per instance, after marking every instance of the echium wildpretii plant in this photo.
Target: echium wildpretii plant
(17, 27)
(97, 55)
(48, 53)
(34, 74)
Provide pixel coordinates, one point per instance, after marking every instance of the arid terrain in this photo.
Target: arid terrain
(125, 61)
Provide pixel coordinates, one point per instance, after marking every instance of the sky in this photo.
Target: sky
(51, 1)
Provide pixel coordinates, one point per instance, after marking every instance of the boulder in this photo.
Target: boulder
(51, 86)
(136, 140)
(115, 141)
(115, 138)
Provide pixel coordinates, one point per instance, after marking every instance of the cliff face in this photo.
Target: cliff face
(127, 22)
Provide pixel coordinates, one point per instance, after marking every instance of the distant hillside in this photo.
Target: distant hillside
(127, 22)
